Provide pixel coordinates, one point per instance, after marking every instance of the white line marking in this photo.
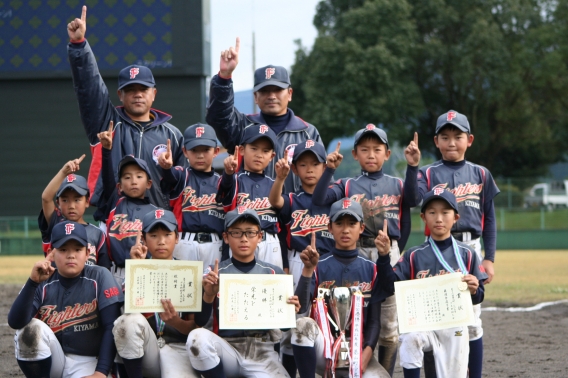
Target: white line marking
(4, 325)
(537, 307)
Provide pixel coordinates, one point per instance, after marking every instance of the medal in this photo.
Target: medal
(462, 286)
(160, 325)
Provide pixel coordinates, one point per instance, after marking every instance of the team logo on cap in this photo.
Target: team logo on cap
(269, 72)
(199, 131)
(241, 209)
(438, 191)
(310, 143)
(451, 115)
(370, 126)
(71, 178)
(159, 213)
(346, 203)
(134, 72)
(68, 228)
(263, 129)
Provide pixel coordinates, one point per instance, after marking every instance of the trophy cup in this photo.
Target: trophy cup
(340, 307)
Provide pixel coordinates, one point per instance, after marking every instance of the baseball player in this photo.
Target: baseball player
(440, 254)
(192, 192)
(64, 315)
(235, 353)
(140, 131)
(343, 267)
(71, 194)
(251, 188)
(124, 208)
(272, 93)
(475, 190)
(382, 197)
(153, 345)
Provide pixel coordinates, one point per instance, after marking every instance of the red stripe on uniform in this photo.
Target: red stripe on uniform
(95, 169)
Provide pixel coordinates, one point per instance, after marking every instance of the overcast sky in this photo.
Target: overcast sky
(276, 25)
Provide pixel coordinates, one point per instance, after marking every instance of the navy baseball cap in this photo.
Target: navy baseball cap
(453, 118)
(239, 213)
(439, 193)
(307, 146)
(199, 134)
(65, 231)
(136, 75)
(75, 182)
(346, 206)
(271, 75)
(257, 131)
(131, 159)
(159, 216)
(370, 128)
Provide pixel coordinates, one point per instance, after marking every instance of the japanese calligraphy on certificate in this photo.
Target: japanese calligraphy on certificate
(433, 303)
(147, 282)
(256, 301)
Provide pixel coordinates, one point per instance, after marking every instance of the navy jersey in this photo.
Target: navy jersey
(123, 223)
(472, 185)
(72, 313)
(97, 244)
(193, 199)
(421, 262)
(250, 190)
(301, 218)
(381, 196)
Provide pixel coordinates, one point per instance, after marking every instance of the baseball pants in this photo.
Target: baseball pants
(450, 348)
(188, 248)
(307, 334)
(241, 356)
(476, 330)
(36, 341)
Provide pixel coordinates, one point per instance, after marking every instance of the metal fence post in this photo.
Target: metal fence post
(26, 227)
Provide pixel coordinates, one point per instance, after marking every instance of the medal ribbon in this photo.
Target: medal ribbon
(356, 335)
(160, 324)
(443, 261)
(320, 316)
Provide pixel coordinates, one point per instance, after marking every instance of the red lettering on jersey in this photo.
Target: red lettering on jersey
(58, 321)
(451, 115)
(71, 178)
(346, 203)
(256, 204)
(308, 223)
(463, 192)
(134, 72)
(263, 129)
(124, 227)
(205, 202)
(310, 143)
(199, 131)
(269, 72)
(159, 213)
(112, 292)
(327, 284)
(370, 126)
(68, 228)
(241, 209)
(426, 273)
(438, 191)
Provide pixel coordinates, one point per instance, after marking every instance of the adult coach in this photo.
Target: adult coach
(272, 93)
(139, 130)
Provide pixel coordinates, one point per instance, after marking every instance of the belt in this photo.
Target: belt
(200, 237)
(464, 236)
(368, 242)
(266, 234)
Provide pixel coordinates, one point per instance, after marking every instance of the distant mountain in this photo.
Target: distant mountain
(244, 101)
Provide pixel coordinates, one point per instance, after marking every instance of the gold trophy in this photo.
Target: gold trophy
(340, 307)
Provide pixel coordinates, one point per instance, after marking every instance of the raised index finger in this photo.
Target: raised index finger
(81, 158)
(314, 239)
(216, 270)
(338, 147)
(84, 13)
(237, 44)
(138, 237)
(110, 126)
(169, 147)
(385, 226)
(416, 138)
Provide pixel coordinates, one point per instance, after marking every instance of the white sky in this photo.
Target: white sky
(276, 25)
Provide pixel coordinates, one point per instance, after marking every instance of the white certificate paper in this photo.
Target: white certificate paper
(147, 282)
(256, 301)
(433, 303)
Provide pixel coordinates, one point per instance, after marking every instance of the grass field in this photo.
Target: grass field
(522, 277)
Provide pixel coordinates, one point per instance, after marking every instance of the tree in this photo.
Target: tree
(402, 63)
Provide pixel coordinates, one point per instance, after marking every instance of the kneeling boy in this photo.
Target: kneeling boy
(440, 254)
(64, 315)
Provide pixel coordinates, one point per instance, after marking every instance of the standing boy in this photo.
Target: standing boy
(192, 192)
(71, 194)
(235, 353)
(64, 315)
(440, 254)
(343, 267)
(153, 345)
(251, 187)
(382, 197)
(474, 189)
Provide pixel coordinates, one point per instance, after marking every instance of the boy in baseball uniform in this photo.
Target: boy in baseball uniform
(64, 314)
(440, 254)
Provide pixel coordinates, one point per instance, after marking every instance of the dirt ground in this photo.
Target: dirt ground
(517, 344)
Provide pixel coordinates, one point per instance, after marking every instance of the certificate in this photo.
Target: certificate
(433, 303)
(147, 282)
(256, 301)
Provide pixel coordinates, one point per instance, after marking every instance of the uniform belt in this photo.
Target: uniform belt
(368, 242)
(464, 236)
(200, 237)
(266, 234)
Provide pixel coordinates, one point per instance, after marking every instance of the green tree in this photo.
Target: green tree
(402, 63)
